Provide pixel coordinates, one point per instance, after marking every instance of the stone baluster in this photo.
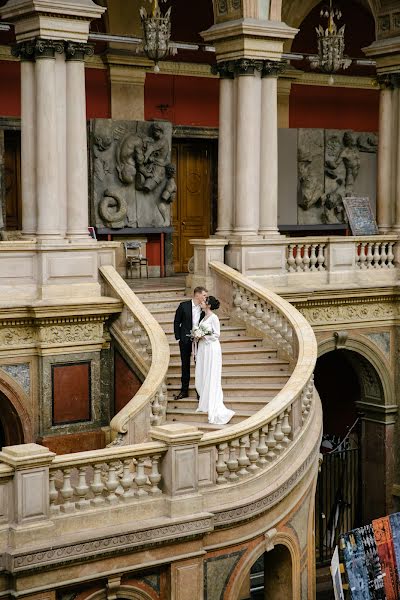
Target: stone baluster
(363, 256)
(266, 317)
(126, 480)
(291, 261)
(383, 252)
(97, 486)
(279, 435)
(141, 479)
(243, 460)
(306, 257)
(232, 462)
(67, 492)
(155, 476)
(155, 410)
(112, 484)
(253, 455)
(252, 309)
(377, 256)
(237, 299)
(370, 255)
(299, 258)
(390, 255)
(271, 441)
(262, 448)
(313, 257)
(82, 490)
(259, 313)
(286, 428)
(137, 333)
(245, 303)
(53, 494)
(321, 257)
(221, 465)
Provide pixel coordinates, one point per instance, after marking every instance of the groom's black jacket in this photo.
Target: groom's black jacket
(183, 321)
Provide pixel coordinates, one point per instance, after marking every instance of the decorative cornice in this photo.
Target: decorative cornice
(108, 545)
(76, 51)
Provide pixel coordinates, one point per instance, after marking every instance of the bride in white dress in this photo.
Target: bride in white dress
(209, 368)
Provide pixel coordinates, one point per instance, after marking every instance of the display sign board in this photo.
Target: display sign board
(336, 576)
(360, 216)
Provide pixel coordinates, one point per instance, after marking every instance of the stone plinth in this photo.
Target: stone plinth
(205, 251)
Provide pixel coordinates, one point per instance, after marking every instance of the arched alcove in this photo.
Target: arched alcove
(15, 420)
(357, 397)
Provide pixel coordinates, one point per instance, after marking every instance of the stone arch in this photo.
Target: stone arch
(285, 538)
(377, 408)
(16, 402)
(293, 12)
(125, 592)
(369, 353)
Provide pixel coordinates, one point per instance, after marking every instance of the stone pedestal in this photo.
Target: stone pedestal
(205, 251)
(179, 467)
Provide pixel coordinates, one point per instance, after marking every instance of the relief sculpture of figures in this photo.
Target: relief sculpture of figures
(329, 166)
(132, 178)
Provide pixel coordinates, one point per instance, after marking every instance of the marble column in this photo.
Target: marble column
(76, 142)
(395, 176)
(247, 166)
(269, 150)
(385, 150)
(48, 216)
(226, 150)
(25, 51)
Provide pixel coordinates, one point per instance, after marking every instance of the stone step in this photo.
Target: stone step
(170, 292)
(168, 319)
(233, 376)
(255, 365)
(167, 304)
(202, 426)
(184, 415)
(252, 403)
(233, 330)
(246, 388)
(238, 342)
(235, 352)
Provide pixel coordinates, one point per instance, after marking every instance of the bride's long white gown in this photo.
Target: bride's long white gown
(208, 375)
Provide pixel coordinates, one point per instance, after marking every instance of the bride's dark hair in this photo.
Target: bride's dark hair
(213, 302)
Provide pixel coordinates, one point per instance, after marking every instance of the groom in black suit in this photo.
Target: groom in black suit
(187, 316)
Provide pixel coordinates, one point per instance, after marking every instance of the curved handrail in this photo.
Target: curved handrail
(152, 358)
(305, 345)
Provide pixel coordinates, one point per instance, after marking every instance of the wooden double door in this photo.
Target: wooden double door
(192, 209)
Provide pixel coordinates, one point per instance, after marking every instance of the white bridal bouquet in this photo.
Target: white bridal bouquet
(199, 331)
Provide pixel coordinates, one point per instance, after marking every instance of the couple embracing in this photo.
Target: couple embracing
(197, 328)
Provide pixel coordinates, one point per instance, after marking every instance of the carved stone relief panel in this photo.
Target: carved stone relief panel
(330, 163)
(132, 178)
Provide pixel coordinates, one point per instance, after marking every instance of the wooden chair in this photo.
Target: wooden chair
(134, 258)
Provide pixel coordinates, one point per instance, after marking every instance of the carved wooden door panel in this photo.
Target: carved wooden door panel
(12, 179)
(191, 218)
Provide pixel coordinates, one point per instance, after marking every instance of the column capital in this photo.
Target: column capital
(224, 69)
(47, 48)
(77, 51)
(273, 68)
(246, 66)
(24, 50)
(389, 81)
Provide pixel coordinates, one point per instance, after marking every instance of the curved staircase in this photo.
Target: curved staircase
(252, 373)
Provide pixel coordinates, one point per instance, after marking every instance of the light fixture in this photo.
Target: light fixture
(156, 32)
(330, 57)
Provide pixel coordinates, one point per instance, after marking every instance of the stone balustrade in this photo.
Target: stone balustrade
(255, 444)
(107, 477)
(282, 262)
(142, 340)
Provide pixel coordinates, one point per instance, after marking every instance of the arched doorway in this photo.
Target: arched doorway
(11, 430)
(271, 576)
(353, 484)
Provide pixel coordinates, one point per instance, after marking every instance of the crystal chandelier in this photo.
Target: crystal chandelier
(330, 57)
(156, 32)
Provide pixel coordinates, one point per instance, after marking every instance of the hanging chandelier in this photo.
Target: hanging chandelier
(156, 33)
(330, 57)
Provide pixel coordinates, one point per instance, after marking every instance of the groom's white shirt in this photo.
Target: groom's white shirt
(196, 310)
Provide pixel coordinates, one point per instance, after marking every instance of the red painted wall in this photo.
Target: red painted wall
(97, 91)
(10, 96)
(187, 100)
(334, 108)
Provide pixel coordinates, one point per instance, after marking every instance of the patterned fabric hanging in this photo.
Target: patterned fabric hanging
(395, 527)
(375, 578)
(387, 558)
(355, 565)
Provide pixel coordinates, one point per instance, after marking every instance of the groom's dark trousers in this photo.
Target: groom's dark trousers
(182, 326)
